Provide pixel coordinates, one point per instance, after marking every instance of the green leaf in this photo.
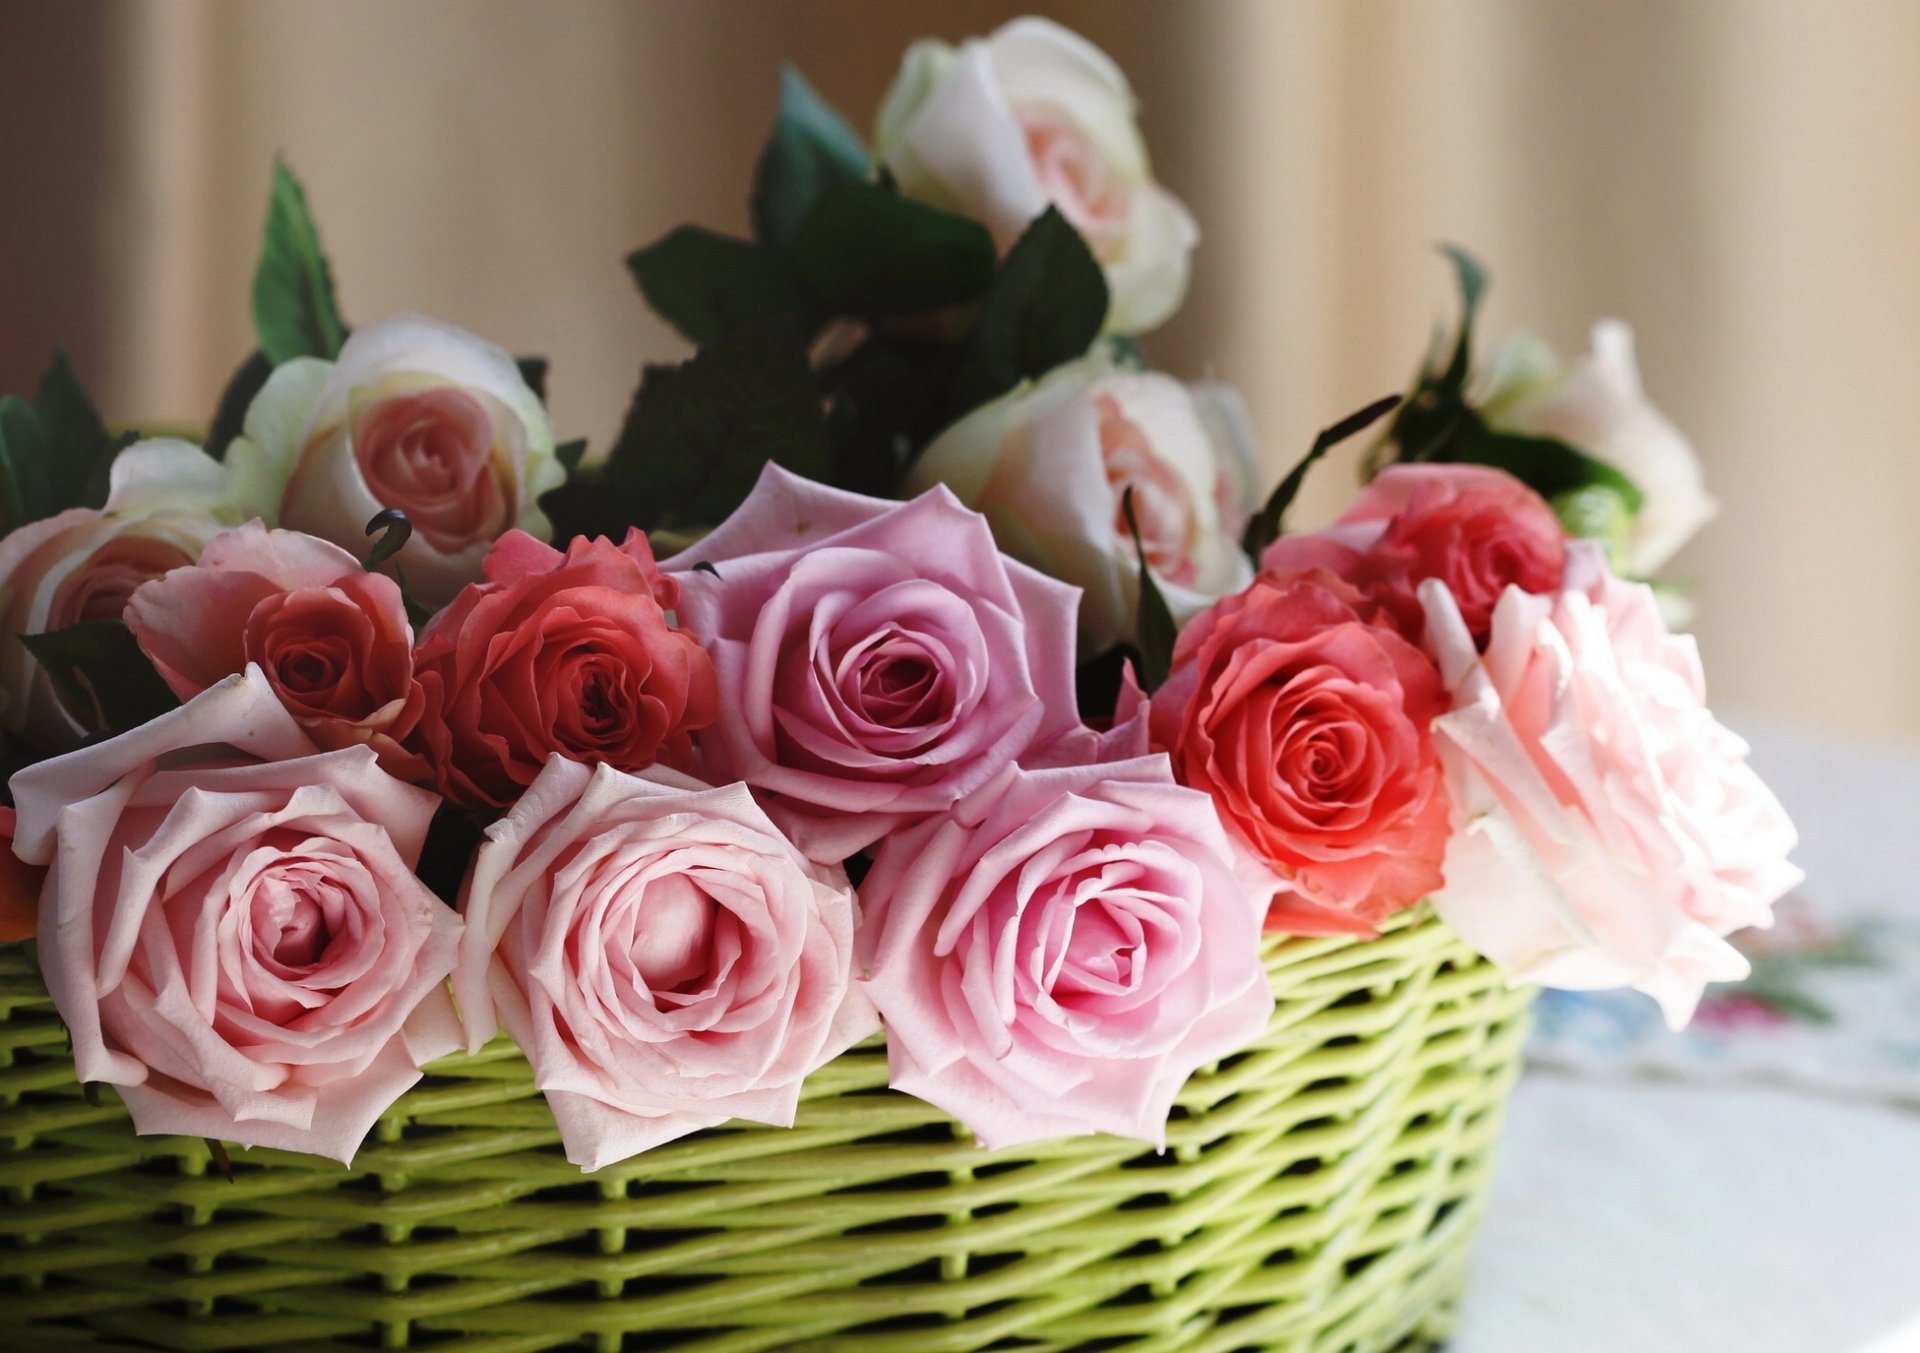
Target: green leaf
(886, 400)
(1267, 524)
(533, 370)
(812, 149)
(24, 495)
(78, 448)
(1046, 306)
(1157, 631)
(1127, 353)
(570, 454)
(1600, 513)
(868, 252)
(99, 671)
(697, 436)
(1473, 285)
(1550, 467)
(230, 419)
(705, 284)
(294, 310)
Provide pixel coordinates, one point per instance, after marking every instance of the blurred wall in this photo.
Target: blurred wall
(1740, 179)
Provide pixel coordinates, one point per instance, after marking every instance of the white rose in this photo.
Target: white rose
(1034, 114)
(166, 500)
(1597, 406)
(1048, 464)
(416, 415)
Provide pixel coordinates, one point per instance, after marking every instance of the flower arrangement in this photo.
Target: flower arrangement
(917, 659)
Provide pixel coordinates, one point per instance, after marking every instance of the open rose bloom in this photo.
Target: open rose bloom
(1009, 731)
(231, 925)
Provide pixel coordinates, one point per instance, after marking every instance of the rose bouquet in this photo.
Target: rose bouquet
(917, 660)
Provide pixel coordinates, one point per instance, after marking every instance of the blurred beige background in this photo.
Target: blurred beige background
(1740, 179)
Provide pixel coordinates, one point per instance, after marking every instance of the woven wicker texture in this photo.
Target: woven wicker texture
(1317, 1196)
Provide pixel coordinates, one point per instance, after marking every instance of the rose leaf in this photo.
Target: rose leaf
(811, 149)
(1046, 306)
(866, 252)
(100, 672)
(230, 418)
(295, 312)
(78, 448)
(706, 285)
(1157, 631)
(1266, 525)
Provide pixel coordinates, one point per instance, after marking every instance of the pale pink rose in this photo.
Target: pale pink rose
(232, 928)
(1061, 952)
(1609, 831)
(83, 564)
(1033, 116)
(664, 957)
(1050, 466)
(332, 639)
(877, 660)
(1478, 530)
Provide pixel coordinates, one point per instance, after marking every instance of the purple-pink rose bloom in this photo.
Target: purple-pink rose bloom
(1061, 952)
(878, 661)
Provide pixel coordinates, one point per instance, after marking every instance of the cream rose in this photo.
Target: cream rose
(1596, 405)
(1033, 115)
(416, 415)
(166, 500)
(1048, 465)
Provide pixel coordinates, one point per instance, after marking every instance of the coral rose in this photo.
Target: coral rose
(1307, 723)
(570, 653)
(1610, 831)
(666, 959)
(332, 638)
(878, 660)
(1061, 952)
(232, 928)
(1478, 530)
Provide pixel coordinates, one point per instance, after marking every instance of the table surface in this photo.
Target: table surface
(1676, 1217)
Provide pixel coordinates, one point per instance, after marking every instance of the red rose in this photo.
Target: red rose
(569, 653)
(1306, 721)
(1478, 530)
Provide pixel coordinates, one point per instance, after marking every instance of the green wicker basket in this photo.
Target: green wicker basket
(1318, 1194)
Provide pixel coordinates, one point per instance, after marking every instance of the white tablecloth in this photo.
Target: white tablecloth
(1675, 1216)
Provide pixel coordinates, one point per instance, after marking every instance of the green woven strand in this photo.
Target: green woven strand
(1317, 1196)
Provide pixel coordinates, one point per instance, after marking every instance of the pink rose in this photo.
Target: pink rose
(332, 639)
(232, 929)
(1062, 951)
(1307, 722)
(665, 958)
(878, 660)
(1609, 831)
(569, 653)
(1478, 530)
